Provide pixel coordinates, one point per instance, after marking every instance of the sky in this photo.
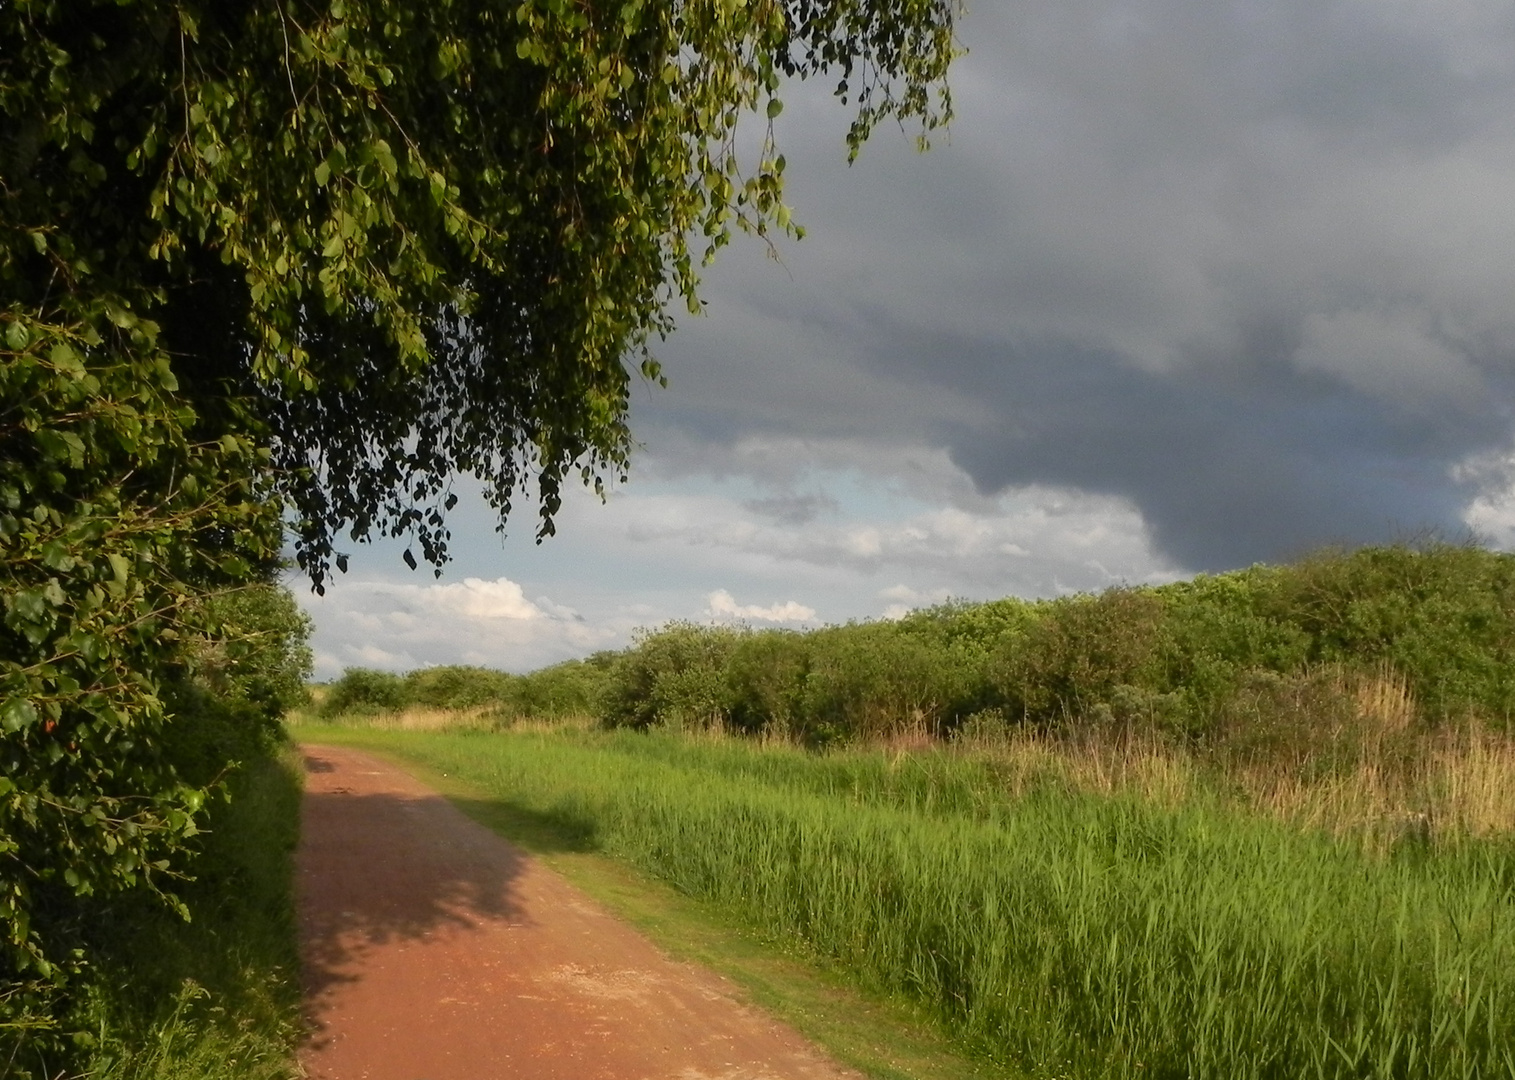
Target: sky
(1188, 286)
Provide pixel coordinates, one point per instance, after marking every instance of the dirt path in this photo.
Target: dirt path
(434, 950)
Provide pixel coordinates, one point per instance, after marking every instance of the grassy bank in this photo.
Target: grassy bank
(1050, 919)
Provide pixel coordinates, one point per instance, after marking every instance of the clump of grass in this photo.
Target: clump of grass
(1058, 909)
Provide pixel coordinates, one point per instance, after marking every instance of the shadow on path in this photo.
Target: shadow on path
(383, 862)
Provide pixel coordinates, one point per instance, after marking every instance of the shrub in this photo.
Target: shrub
(216, 728)
(260, 654)
(765, 679)
(874, 679)
(364, 690)
(1185, 660)
(674, 675)
(1441, 614)
(455, 687)
(572, 688)
(1078, 653)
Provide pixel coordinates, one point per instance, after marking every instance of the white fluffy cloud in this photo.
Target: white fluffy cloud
(400, 625)
(724, 606)
(1031, 541)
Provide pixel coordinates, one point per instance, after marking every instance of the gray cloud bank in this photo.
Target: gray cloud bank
(1246, 266)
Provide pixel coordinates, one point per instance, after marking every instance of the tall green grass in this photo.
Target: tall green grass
(1071, 933)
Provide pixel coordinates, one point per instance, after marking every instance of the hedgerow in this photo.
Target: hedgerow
(1175, 659)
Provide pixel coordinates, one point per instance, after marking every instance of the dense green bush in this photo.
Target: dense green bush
(259, 655)
(452, 687)
(572, 688)
(1444, 617)
(218, 740)
(873, 678)
(1191, 660)
(673, 676)
(766, 676)
(364, 690)
(1077, 657)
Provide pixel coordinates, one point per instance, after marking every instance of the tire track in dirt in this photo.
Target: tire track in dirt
(432, 949)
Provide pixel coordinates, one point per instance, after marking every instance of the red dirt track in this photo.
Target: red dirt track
(434, 950)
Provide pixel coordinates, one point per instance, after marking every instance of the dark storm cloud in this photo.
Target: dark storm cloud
(792, 509)
(1227, 470)
(1248, 265)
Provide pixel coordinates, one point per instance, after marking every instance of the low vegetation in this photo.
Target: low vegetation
(183, 967)
(1251, 825)
(439, 694)
(1056, 911)
(1196, 660)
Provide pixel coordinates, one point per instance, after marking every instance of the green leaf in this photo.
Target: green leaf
(55, 556)
(16, 336)
(66, 360)
(52, 444)
(17, 713)
(775, 106)
(323, 174)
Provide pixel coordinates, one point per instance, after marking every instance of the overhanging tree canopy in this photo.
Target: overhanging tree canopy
(422, 238)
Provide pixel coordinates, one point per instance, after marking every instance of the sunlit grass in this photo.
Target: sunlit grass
(1060, 909)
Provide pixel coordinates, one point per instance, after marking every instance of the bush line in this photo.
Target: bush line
(1271, 656)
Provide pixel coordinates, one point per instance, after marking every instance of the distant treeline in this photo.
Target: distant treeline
(573, 688)
(1270, 645)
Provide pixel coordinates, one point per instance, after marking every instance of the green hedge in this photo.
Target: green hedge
(566, 689)
(1176, 658)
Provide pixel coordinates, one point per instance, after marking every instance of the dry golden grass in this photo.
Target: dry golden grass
(1338, 751)
(582, 722)
(1142, 765)
(414, 718)
(1401, 781)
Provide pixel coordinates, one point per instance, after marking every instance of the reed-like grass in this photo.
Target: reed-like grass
(1070, 930)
